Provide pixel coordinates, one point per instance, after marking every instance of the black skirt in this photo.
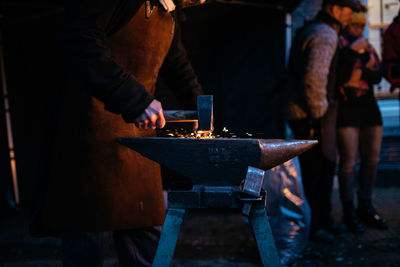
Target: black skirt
(359, 112)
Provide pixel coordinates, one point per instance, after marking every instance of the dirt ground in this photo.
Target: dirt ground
(225, 240)
(235, 244)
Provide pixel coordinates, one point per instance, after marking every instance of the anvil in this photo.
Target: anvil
(217, 161)
(216, 168)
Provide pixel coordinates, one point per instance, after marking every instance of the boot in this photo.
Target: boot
(350, 218)
(368, 215)
(322, 236)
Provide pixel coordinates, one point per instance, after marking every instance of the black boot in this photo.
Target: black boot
(350, 218)
(368, 215)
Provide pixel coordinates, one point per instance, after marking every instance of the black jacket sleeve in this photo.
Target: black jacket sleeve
(371, 76)
(84, 56)
(178, 73)
(347, 59)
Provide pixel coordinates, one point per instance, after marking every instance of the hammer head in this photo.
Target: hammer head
(205, 113)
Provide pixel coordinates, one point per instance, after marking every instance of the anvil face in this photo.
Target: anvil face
(216, 161)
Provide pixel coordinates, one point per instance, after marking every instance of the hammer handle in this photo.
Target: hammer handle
(180, 115)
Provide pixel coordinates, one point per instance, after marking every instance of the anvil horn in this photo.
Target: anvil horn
(216, 161)
(275, 152)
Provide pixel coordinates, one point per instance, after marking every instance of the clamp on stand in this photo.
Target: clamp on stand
(250, 198)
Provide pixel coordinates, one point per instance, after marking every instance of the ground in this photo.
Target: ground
(224, 240)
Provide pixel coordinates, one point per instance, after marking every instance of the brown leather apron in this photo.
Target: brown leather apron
(97, 184)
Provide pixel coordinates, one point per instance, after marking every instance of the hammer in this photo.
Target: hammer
(204, 114)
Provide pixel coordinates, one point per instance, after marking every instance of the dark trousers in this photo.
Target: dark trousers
(317, 173)
(135, 247)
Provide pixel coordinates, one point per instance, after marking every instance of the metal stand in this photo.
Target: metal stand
(249, 199)
(169, 236)
(263, 235)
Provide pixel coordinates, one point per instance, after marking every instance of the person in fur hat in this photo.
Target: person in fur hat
(359, 125)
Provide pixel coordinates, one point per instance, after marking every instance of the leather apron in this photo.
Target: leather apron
(95, 183)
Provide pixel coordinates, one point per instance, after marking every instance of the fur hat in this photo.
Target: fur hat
(359, 17)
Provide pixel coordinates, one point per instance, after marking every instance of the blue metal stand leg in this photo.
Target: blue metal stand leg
(263, 235)
(169, 236)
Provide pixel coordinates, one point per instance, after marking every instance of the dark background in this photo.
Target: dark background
(238, 54)
(29, 54)
(237, 51)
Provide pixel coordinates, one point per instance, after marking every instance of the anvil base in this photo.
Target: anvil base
(215, 198)
(209, 197)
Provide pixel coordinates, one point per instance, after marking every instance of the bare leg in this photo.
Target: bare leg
(370, 145)
(348, 143)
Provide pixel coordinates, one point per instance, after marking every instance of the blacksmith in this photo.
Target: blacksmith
(111, 53)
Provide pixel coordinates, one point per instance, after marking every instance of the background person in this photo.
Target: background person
(312, 107)
(391, 53)
(359, 125)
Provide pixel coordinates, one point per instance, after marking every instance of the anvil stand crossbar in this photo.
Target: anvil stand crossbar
(249, 198)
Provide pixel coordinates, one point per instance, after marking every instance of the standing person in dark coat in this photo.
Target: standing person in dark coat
(112, 52)
(312, 106)
(391, 53)
(359, 125)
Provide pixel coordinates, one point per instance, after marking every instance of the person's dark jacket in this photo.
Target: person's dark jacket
(82, 48)
(357, 110)
(347, 59)
(391, 53)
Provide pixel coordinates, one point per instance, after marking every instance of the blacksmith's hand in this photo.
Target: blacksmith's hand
(152, 117)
